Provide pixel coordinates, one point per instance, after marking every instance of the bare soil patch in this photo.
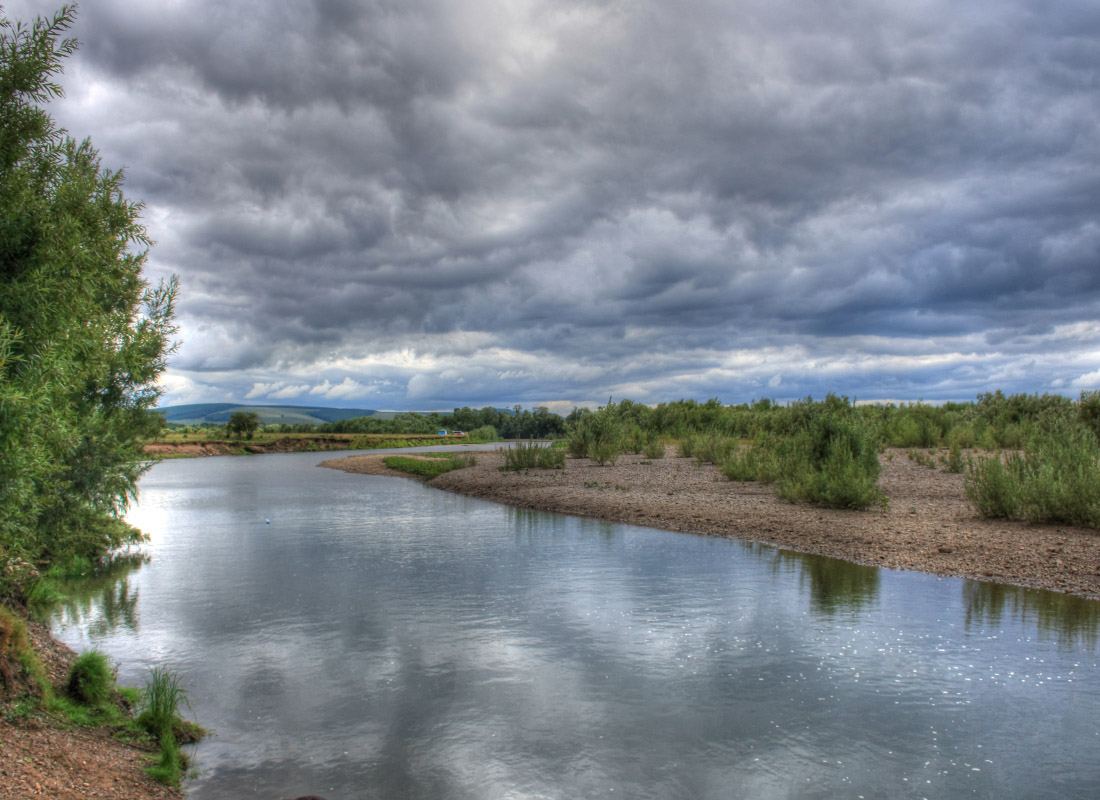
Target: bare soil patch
(928, 526)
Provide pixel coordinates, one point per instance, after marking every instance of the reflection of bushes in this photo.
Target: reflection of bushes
(102, 595)
(835, 585)
(1072, 621)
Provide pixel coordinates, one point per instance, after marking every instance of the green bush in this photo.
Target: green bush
(654, 448)
(1056, 479)
(486, 433)
(962, 436)
(1088, 412)
(636, 441)
(604, 452)
(577, 445)
(994, 488)
(528, 455)
(91, 678)
(832, 462)
(741, 465)
(841, 482)
(685, 447)
(714, 449)
(954, 458)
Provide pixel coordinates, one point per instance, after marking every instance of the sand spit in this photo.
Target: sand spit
(929, 525)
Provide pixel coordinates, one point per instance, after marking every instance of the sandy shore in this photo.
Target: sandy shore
(929, 526)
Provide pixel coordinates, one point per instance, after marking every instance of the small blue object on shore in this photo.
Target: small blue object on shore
(267, 522)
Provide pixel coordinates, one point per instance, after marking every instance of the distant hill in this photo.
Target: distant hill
(219, 414)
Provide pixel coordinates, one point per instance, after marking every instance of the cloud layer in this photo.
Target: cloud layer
(426, 203)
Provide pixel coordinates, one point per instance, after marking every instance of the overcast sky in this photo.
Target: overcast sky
(429, 203)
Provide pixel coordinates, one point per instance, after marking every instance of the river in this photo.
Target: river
(357, 636)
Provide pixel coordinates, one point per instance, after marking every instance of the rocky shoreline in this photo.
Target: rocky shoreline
(929, 524)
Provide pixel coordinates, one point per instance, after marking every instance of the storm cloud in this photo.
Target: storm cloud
(429, 203)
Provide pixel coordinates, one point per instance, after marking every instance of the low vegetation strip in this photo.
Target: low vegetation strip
(431, 465)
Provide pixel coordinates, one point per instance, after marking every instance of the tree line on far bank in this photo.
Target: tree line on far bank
(1032, 457)
(486, 424)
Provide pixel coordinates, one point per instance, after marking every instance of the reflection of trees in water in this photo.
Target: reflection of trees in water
(102, 600)
(1072, 620)
(835, 585)
(531, 525)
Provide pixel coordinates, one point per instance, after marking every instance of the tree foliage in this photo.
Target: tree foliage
(242, 424)
(83, 336)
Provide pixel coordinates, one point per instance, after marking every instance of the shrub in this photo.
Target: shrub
(954, 458)
(685, 448)
(636, 441)
(91, 678)
(526, 455)
(1088, 412)
(577, 445)
(922, 458)
(1055, 479)
(604, 452)
(962, 436)
(486, 433)
(654, 448)
(742, 465)
(714, 449)
(995, 492)
(832, 462)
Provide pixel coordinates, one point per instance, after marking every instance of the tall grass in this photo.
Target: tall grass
(529, 455)
(91, 678)
(1055, 479)
(831, 461)
(162, 702)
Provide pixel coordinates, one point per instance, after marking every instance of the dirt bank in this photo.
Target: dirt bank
(929, 525)
(40, 757)
(286, 444)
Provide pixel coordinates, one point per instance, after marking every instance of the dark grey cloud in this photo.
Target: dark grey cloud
(435, 202)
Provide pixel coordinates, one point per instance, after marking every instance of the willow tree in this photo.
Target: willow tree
(83, 336)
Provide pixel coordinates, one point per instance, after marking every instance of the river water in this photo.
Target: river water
(357, 636)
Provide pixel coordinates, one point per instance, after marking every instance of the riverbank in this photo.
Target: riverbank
(201, 448)
(929, 525)
(42, 757)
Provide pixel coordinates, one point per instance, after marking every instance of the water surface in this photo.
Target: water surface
(377, 638)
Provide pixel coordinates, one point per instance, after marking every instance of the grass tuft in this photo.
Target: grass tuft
(91, 679)
(528, 455)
